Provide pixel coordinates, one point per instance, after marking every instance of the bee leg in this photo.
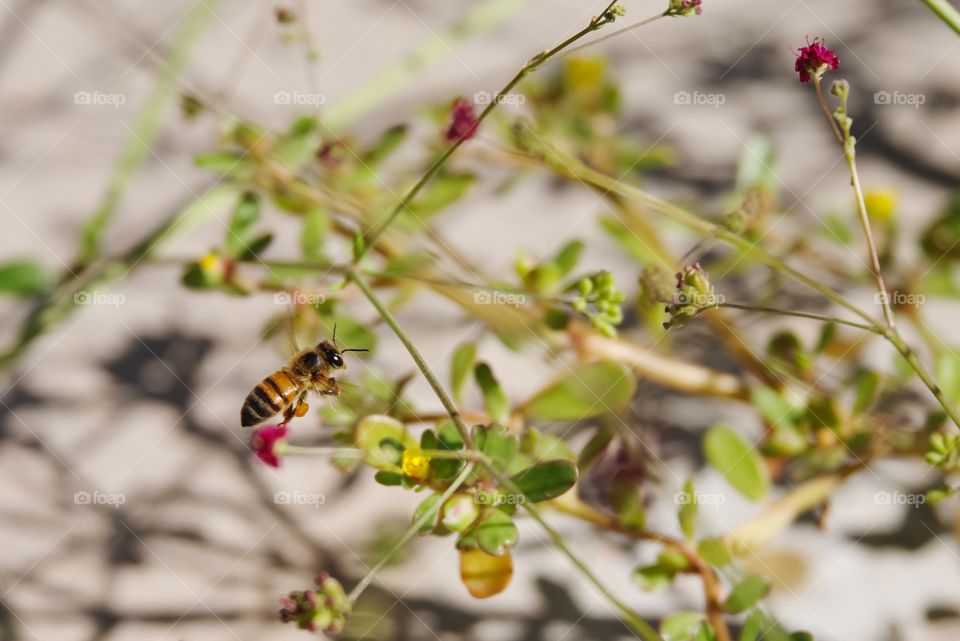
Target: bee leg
(332, 389)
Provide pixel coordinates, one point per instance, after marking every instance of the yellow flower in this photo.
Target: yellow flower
(415, 464)
(585, 73)
(881, 204)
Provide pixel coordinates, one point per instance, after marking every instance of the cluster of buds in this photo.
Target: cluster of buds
(598, 298)
(944, 450)
(325, 609)
(684, 8)
(463, 121)
(694, 293)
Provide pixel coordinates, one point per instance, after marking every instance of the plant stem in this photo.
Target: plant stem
(635, 25)
(425, 518)
(819, 317)
(946, 12)
(531, 65)
(826, 109)
(428, 374)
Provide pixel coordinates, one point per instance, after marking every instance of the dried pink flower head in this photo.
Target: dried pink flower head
(463, 121)
(814, 60)
(264, 443)
(684, 8)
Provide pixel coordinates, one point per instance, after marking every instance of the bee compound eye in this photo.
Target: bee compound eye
(310, 360)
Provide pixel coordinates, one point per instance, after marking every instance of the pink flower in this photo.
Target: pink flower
(814, 60)
(264, 442)
(463, 121)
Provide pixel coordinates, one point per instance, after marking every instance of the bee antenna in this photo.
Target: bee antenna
(334, 333)
(353, 349)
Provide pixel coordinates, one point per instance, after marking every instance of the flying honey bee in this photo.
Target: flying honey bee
(285, 391)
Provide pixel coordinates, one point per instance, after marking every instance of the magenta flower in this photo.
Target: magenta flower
(814, 60)
(264, 443)
(463, 121)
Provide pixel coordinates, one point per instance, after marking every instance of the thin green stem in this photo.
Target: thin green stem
(946, 12)
(826, 109)
(820, 317)
(435, 384)
(425, 518)
(531, 65)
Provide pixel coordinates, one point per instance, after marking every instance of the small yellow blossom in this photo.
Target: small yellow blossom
(415, 464)
(881, 204)
(210, 262)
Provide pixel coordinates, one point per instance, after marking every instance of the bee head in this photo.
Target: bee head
(330, 354)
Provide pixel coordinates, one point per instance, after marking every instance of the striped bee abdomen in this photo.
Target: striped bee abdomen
(274, 394)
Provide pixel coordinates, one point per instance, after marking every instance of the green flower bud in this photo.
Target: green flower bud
(460, 512)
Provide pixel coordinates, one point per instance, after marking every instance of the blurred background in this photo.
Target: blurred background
(129, 507)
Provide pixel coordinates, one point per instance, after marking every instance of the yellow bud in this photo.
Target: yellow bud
(881, 204)
(415, 463)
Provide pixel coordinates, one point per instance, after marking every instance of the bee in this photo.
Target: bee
(285, 391)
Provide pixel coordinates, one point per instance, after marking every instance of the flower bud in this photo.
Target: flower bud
(459, 512)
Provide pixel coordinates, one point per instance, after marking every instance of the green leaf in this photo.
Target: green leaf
(440, 194)
(590, 390)
(545, 481)
(494, 398)
(773, 407)
(240, 228)
(652, 577)
(740, 464)
(595, 447)
(496, 532)
(256, 246)
(687, 514)
(24, 278)
(948, 374)
(681, 626)
(313, 235)
(714, 551)
(499, 446)
(746, 594)
(568, 257)
(705, 633)
(297, 145)
(461, 364)
(545, 447)
(753, 627)
(388, 478)
(385, 145)
(866, 383)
